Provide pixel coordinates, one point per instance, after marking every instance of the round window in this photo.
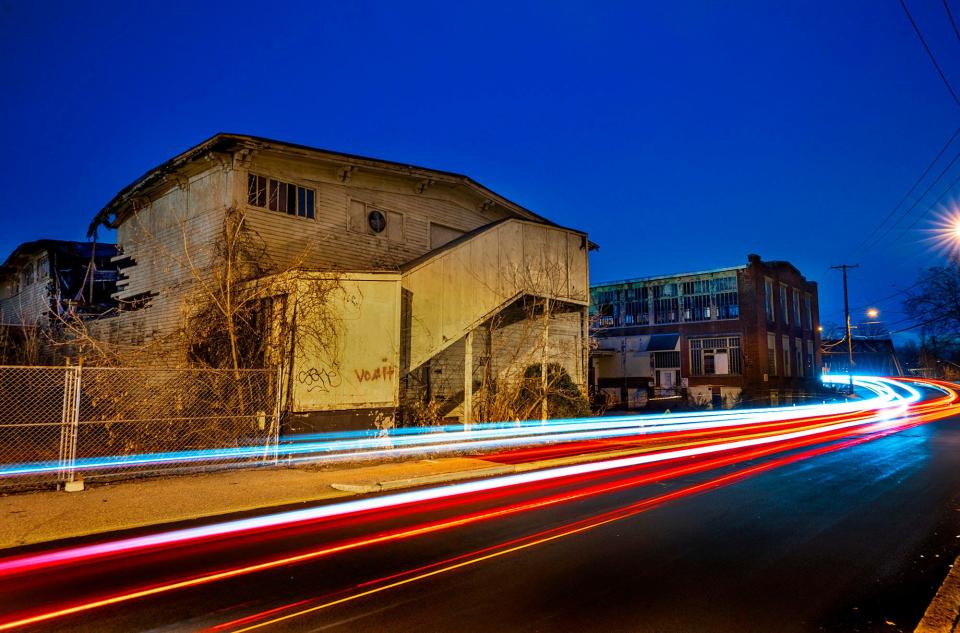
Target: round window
(377, 221)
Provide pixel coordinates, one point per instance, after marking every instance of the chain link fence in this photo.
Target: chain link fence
(63, 424)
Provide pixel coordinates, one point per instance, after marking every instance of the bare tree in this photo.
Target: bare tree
(934, 304)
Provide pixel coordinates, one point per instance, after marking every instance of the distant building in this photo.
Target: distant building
(46, 279)
(747, 332)
(872, 356)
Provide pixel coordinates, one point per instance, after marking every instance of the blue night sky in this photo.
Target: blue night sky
(681, 136)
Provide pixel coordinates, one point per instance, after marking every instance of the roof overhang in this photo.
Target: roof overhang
(224, 145)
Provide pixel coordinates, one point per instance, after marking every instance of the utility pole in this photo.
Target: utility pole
(846, 314)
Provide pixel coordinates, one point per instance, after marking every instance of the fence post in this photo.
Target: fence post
(69, 429)
(271, 447)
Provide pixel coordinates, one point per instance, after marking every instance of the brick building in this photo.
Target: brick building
(745, 333)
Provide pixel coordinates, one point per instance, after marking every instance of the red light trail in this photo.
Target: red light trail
(662, 457)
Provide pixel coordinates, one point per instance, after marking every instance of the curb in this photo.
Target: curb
(476, 473)
(334, 492)
(412, 482)
(187, 516)
(944, 611)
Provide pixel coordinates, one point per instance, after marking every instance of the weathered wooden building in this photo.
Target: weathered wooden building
(377, 283)
(46, 279)
(747, 332)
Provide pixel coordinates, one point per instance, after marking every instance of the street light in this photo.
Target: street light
(873, 313)
(945, 232)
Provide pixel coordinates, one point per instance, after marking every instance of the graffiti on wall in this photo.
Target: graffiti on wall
(384, 373)
(319, 379)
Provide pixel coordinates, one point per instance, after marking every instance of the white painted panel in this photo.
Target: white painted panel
(361, 368)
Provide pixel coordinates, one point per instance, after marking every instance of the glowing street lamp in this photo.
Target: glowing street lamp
(945, 233)
(873, 313)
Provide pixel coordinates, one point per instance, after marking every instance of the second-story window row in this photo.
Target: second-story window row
(280, 196)
(666, 310)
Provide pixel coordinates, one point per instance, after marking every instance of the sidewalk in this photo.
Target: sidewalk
(43, 516)
(50, 515)
(943, 614)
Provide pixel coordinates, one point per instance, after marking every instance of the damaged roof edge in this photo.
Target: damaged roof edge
(79, 249)
(226, 141)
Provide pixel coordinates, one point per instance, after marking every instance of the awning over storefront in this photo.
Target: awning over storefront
(663, 342)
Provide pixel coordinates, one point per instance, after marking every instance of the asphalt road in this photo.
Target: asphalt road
(854, 540)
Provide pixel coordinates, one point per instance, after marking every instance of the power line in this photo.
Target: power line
(913, 206)
(950, 15)
(930, 208)
(876, 302)
(911, 190)
(939, 155)
(953, 23)
(930, 54)
(916, 325)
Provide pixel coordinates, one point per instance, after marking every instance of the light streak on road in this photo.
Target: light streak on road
(264, 619)
(482, 437)
(826, 428)
(270, 521)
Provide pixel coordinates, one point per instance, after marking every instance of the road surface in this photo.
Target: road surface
(826, 536)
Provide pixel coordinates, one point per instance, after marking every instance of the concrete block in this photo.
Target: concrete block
(73, 486)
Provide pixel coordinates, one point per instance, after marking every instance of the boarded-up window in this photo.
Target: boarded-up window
(394, 226)
(357, 217)
(771, 354)
(440, 235)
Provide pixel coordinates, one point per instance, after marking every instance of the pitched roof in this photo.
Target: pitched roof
(225, 142)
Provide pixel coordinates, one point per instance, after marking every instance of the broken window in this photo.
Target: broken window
(728, 305)
(283, 197)
(716, 356)
(687, 300)
(43, 267)
(666, 360)
(712, 298)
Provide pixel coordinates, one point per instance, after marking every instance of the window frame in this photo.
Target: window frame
(772, 361)
(703, 347)
(769, 301)
(270, 194)
(787, 357)
(784, 307)
(796, 308)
